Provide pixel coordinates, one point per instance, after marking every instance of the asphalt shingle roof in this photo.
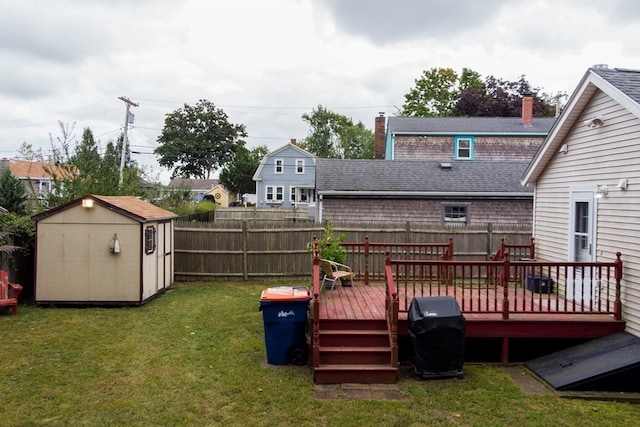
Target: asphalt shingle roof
(409, 176)
(625, 80)
(469, 125)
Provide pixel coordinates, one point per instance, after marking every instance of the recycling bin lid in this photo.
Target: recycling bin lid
(285, 293)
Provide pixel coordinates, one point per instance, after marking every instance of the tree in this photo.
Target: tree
(237, 175)
(13, 195)
(197, 140)
(335, 136)
(502, 98)
(434, 94)
(79, 169)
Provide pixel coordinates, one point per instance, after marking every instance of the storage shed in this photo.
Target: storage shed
(107, 250)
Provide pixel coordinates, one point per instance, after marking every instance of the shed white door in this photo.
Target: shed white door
(580, 287)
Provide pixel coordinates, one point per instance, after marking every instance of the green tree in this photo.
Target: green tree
(197, 140)
(335, 136)
(237, 175)
(435, 94)
(13, 195)
(79, 169)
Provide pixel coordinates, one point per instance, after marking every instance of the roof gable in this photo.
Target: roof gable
(622, 85)
(278, 151)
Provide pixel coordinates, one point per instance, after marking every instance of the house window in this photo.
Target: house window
(279, 166)
(149, 240)
(299, 166)
(463, 148)
(44, 187)
(275, 194)
(302, 195)
(455, 214)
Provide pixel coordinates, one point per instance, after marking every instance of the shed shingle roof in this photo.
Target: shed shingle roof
(409, 176)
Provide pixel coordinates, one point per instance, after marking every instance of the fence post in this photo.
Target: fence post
(245, 250)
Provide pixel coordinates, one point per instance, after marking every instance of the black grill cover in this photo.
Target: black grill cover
(436, 328)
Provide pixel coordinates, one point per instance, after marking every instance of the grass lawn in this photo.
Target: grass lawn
(195, 356)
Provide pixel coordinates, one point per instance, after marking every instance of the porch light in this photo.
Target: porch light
(87, 203)
(115, 245)
(602, 191)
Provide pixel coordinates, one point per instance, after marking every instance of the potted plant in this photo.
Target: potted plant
(330, 247)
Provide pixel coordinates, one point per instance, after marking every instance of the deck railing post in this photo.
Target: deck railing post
(617, 313)
(532, 249)
(366, 259)
(504, 282)
(315, 311)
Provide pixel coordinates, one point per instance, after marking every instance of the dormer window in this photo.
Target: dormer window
(279, 166)
(463, 148)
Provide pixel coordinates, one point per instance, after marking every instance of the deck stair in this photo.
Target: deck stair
(355, 351)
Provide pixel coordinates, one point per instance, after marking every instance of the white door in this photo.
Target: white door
(580, 287)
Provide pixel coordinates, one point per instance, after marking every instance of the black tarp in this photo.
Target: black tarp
(436, 329)
(610, 363)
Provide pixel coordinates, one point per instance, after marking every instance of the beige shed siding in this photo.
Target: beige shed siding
(598, 156)
(74, 262)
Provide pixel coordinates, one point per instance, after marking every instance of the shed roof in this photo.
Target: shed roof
(129, 206)
(407, 177)
(469, 125)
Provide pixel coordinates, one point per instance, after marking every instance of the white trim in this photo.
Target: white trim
(303, 166)
(278, 163)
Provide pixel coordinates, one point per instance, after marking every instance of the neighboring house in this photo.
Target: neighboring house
(456, 192)
(198, 188)
(218, 195)
(462, 138)
(103, 250)
(587, 181)
(36, 176)
(286, 178)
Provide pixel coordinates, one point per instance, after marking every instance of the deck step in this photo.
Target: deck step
(355, 355)
(358, 374)
(354, 338)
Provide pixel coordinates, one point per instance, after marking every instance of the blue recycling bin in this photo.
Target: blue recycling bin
(284, 313)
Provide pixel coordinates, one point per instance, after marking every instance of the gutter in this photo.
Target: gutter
(424, 194)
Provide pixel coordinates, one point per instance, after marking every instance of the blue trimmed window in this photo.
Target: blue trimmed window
(463, 148)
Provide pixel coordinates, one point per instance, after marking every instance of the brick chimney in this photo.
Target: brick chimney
(4, 164)
(293, 141)
(527, 110)
(378, 137)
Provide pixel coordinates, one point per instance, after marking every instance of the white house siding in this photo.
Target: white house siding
(597, 156)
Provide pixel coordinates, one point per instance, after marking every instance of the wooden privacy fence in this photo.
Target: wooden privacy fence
(225, 250)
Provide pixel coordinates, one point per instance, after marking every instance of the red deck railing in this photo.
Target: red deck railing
(367, 258)
(508, 287)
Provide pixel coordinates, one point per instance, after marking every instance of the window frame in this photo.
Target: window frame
(455, 213)
(150, 239)
(277, 194)
(278, 166)
(300, 164)
(457, 148)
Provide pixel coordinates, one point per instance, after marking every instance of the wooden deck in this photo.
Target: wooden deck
(533, 315)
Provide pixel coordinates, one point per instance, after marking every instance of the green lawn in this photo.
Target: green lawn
(195, 356)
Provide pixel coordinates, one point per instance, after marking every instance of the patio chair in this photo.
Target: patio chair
(334, 271)
(9, 292)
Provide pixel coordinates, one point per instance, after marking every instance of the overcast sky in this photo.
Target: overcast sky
(267, 62)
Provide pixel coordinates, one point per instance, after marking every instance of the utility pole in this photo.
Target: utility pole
(125, 139)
